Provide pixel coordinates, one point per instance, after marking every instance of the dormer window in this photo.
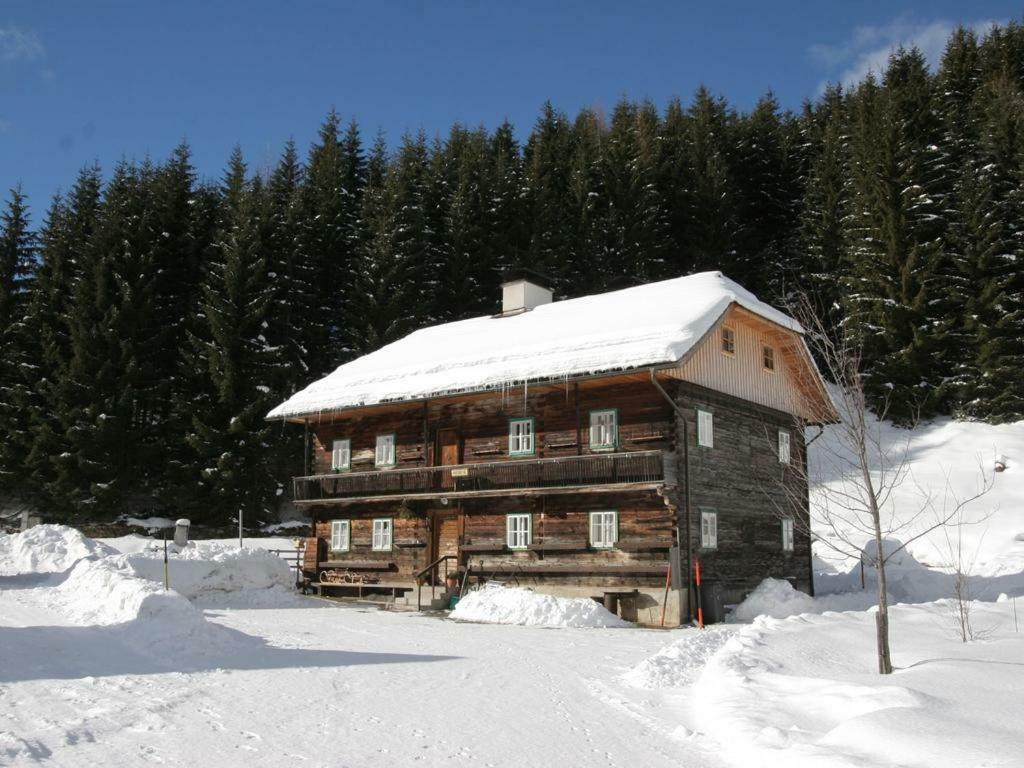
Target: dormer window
(728, 341)
(768, 358)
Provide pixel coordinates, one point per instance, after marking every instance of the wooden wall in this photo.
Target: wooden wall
(742, 374)
(645, 423)
(646, 532)
(742, 479)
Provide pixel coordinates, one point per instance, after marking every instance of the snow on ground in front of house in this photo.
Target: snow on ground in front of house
(102, 667)
(497, 604)
(211, 566)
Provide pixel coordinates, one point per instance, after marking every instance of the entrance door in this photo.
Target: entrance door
(447, 454)
(446, 542)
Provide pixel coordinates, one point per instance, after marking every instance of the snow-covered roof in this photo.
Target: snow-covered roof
(649, 325)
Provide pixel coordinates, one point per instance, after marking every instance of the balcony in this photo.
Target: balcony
(599, 472)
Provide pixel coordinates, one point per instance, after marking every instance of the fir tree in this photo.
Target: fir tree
(18, 352)
(637, 218)
(548, 157)
(231, 441)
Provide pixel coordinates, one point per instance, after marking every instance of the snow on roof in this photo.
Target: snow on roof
(648, 325)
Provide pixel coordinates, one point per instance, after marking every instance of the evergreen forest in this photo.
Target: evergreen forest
(149, 319)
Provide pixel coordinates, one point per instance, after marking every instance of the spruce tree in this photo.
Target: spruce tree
(508, 226)
(900, 184)
(397, 243)
(548, 158)
(637, 218)
(18, 350)
(764, 172)
(228, 435)
(708, 226)
(820, 237)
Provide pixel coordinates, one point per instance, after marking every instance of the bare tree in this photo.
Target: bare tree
(961, 557)
(856, 472)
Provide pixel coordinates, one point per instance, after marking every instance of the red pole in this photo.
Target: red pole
(700, 607)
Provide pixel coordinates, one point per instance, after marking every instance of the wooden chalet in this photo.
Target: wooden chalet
(600, 446)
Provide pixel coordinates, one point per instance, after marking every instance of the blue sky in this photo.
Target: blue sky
(105, 80)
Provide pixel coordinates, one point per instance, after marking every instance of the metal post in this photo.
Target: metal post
(240, 516)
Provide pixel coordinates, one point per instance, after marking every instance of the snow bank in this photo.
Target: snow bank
(46, 549)
(640, 326)
(681, 663)
(211, 566)
(803, 691)
(154, 622)
(777, 598)
(495, 604)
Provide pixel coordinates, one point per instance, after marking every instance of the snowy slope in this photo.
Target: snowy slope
(803, 692)
(646, 325)
(949, 450)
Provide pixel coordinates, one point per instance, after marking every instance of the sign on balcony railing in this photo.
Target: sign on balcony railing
(488, 477)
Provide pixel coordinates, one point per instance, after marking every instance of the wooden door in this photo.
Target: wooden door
(447, 447)
(447, 454)
(445, 542)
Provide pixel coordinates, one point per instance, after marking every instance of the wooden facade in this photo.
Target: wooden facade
(456, 478)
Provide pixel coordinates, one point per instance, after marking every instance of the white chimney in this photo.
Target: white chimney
(522, 294)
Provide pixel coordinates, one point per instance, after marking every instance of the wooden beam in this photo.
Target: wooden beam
(495, 493)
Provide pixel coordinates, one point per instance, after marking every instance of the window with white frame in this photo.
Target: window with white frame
(604, 529)
(341, 535)
(768, 358)
(787, 534)
(519, 528)
(708, 529)
(385, 453)
(705, 429)
(520, 437)
(382, 533)
(604, 429)
(341, 455)
(728, 341)
(783, 446)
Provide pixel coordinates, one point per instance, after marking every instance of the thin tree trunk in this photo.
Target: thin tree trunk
(882, 617)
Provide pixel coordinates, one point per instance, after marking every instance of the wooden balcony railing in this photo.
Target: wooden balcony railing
(495, 478)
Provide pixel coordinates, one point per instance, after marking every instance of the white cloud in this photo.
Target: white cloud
(868, 48)
(20, 45)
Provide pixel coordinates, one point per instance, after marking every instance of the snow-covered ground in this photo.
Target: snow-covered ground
(100, 666)
(948, 460)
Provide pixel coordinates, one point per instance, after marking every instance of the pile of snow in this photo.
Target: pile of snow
(640, 326)
(496, 604)
(46, 549)
(778, 598)
(211, 566)
(107, 593)
(680, 664)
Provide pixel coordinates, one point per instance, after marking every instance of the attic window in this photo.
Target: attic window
(728, 340)
(768, 356)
